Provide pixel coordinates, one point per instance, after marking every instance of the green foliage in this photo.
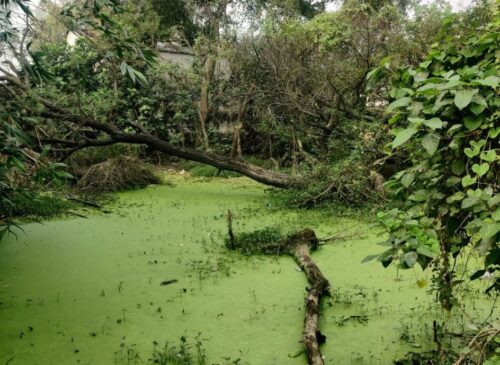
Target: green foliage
(103, 18)
(268, 241)
(175, 15)
(199, 170)
(94, 155)
(38, 205)
(17, 162)
(445, 117)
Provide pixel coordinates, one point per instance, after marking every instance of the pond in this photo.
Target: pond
(87, 290)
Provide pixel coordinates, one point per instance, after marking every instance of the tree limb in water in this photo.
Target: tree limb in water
(303, 242)
(299, 246)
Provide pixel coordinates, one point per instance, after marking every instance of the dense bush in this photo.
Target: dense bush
(199, 170)
(445, 116)
(38, 205)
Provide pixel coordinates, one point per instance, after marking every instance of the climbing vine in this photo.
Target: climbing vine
(444, 117)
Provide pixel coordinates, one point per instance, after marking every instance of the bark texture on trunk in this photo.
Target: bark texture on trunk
(245, 168)
(204, 103)
(298, 245)
(302, 242)
(236, 145)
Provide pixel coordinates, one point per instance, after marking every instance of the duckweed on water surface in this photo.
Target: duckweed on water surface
(88, 291)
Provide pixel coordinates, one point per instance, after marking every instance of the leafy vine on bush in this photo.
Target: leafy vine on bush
(445, 118)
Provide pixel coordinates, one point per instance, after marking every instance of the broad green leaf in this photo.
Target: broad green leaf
(420, 76)
(419, 196)
(374, 74)
(458, 196)
(452, 181)
(496, 215)
(475, 193)
(410, 258)
(481, 169)
(489, 81)
(395, 118)
(417, 121)
(471, 152)
(425, 250)
(369, 258)
(450, 85)
(464, 97)
(476, 108)
(494, 132)
(454, 128)
(472, 123)
(434, 123)
(478, 144)
(489, 156)
(140, 77)
(469, 202)
(427, 87)
(407, 179)
(478, 99)
(425, 64)
(489, 229)
(123, 68)
(398, 103)
(403, 136)
(468, 180)
(131, 73)
(431, 142)
(493, 201)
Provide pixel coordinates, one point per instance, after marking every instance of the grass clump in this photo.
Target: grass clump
(38, 205)
(267, 241)
(182, 354)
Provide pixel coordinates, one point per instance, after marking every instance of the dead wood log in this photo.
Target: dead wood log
(300, 246)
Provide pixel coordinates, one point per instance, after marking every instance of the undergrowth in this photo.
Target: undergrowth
(39, 205)
(199, 170)
(269, 241)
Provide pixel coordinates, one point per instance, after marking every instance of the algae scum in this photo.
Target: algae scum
(89, 291)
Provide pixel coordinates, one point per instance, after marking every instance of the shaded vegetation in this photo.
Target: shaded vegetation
(378, 105)
(37, 205)
(267, 241)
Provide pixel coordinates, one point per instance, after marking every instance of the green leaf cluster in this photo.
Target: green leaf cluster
(445, 118)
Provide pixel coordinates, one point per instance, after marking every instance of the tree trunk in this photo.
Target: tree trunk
(236, 145)
(204, 103)
(245, 168)
(295, 159)
(312, 337)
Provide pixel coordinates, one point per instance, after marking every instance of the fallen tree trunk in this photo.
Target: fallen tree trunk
(299, 246)
(87, 132)
(241, 166)
(245, 168)
(312, 337)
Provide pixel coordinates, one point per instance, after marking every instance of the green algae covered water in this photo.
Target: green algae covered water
(88, 291)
